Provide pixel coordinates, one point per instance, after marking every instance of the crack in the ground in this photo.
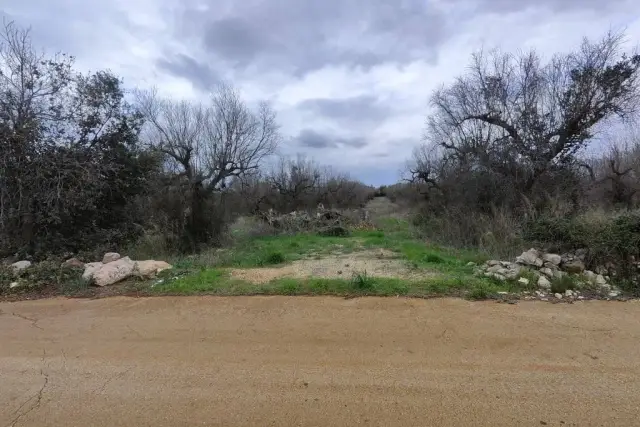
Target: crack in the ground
(34, 322)
(36, 405)
(113, 377)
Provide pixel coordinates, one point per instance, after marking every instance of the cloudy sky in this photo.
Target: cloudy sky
(350, 79)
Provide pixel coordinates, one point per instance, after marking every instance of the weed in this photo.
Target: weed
(479, 292)
(362, 281)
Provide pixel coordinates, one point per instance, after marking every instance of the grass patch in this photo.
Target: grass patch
(362, 281)
(217, 281)
(207, 273)
(261, 251)
(203, 281)
(273, 258)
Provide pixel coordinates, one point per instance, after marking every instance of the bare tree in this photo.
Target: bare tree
(520, 118)
(208, 145)
(296, 181)
(614, 176)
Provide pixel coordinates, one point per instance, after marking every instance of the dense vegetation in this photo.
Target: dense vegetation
(86, 166)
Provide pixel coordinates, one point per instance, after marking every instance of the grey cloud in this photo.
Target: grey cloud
(236, 40)
(359, 108)
(313, 139)
(49, 23)
(201, 75)
(557, 5)
(300, 36)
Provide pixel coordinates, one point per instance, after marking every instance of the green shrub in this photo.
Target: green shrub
(334, 231)
(273, 258)
(609, 238)
(40, 276)
(559, 285)
(433, 258)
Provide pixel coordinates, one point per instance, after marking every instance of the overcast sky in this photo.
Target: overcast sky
(350, 79)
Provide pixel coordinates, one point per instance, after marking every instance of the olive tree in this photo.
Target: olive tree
(70, 165)
(516, 118)
(206, 145)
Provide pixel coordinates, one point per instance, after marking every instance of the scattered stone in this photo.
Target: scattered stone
(150, 268)
(471, 264)
(503, 293)
(73, 262)
(20, 265)
(600, 280)
(552, 258)
(523, 281)
(581, 253)
(580, 297)
(559, 296)
(13, 285)
(547, 272)
(544, 283)
(530, 257)
(574, 266)
(110, 257)
(114, 272)
(89, 269)
(614, 294)
(559, 274)
(591, 276)
(495, 269)
(492, 262)
(568, 293)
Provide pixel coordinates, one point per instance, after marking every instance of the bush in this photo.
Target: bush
(610, 239)
(41, 276)
(433, 259)
(273, 258)
(334, 231)
(498, 233)
(560, 285)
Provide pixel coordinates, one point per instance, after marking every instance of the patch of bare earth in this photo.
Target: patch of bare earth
(382, 207)
(376, 263)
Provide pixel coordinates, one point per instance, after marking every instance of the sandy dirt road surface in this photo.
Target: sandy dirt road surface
(280, 361)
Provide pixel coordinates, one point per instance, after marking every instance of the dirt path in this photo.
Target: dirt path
(259, 361)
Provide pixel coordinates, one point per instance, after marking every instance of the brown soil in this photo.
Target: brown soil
(376, 263)
(280, 361)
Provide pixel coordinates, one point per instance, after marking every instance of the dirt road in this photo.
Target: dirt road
(260, 361)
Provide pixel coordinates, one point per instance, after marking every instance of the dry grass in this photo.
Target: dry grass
(376, 263)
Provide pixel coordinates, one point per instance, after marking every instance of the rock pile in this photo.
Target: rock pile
(546, 268)
(115, 268)
(321, 219)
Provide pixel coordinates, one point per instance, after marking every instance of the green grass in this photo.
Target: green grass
(218, 282)
(446, 270)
